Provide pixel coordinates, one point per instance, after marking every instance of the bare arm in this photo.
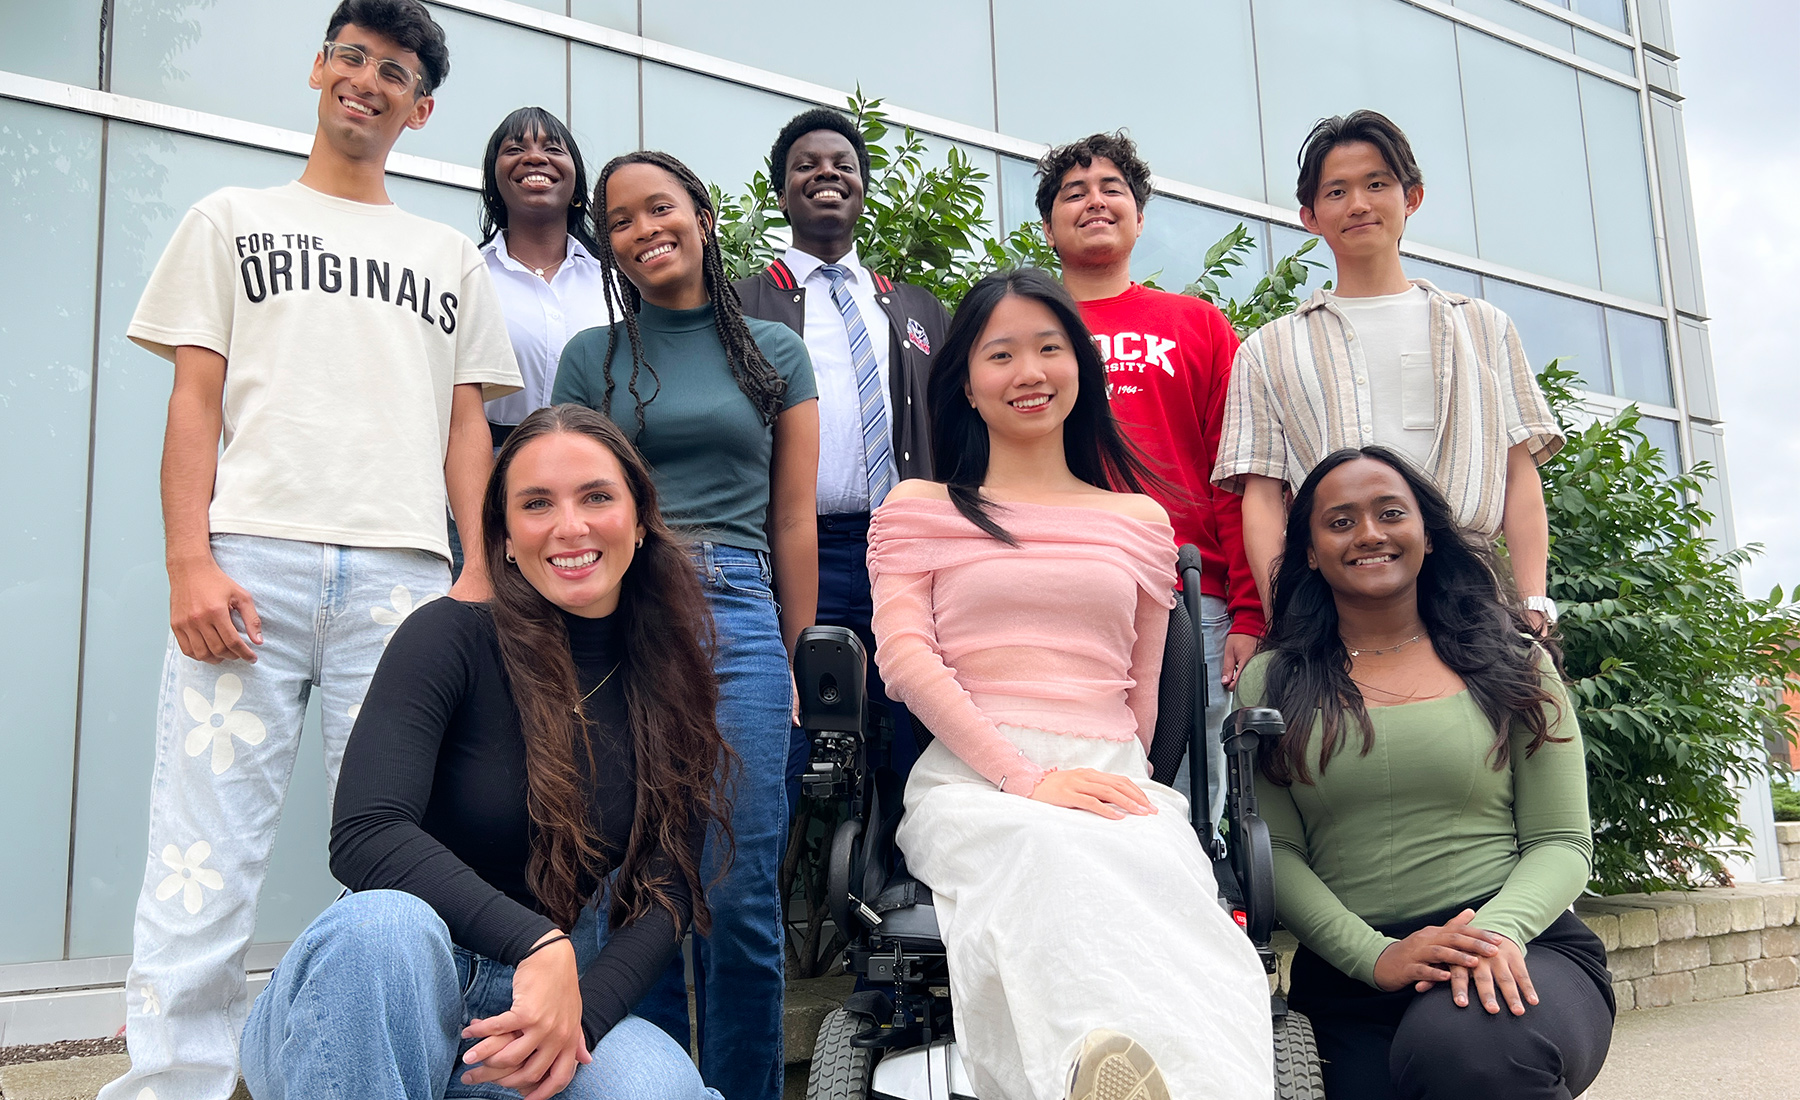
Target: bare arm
(467, 462)
(201, 596)
(793, 523)
(1526, 525)
(1265, 526)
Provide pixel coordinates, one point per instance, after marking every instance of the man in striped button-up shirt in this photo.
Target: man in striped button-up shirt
(1439, 377)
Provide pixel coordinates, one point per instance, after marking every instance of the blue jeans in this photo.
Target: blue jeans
(844, 600)
(739, 970)
(226, 738)
(1215, 627)
(370, 1004)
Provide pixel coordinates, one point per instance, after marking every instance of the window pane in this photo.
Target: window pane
(620, 15)
(1517, 17)
(456, 207)
(1678, 206)
(935, 58)
(1529, 163)
(1608, 53)
(244, 58)
(1621, 178)
(1318, 59)
(50, 208)
(603, 105)
(502, 68)
(1609, 12)
(54, 41)
(1554, 327)
(151, 179)
(1176, 237)
(682, 112)
(1665, 436)
(1018, 192)
(1452, 279)
(1204, 137)
(1640, 355)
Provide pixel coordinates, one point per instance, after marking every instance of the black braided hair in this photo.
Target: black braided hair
(753, 371)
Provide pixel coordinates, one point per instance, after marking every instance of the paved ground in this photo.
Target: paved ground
(1740, 1048)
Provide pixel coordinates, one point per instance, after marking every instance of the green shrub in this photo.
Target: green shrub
(1674, 670)
(1786, 799)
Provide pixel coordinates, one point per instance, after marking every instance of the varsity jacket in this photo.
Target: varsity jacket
(917, 322)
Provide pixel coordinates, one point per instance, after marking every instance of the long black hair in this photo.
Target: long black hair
(749, 366)
(1096, 451)
(1473, 622)
(684, 766)
(518, 126)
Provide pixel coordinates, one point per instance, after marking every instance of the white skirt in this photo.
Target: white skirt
(1059, 921)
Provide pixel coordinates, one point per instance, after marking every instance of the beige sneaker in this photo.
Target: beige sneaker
(1112, 1066)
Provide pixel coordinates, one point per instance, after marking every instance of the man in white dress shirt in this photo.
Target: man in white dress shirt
(871, 341)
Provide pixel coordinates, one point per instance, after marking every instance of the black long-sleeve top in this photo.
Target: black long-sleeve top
(432, 798)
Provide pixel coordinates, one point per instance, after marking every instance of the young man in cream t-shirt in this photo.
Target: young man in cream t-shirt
(340, 350)
(1384, 360)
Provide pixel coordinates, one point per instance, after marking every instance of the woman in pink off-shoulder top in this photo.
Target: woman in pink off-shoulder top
(1020, 614)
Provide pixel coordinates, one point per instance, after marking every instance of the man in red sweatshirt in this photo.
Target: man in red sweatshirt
(1168, 362)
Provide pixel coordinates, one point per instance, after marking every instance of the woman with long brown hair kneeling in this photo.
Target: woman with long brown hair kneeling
(520, 813)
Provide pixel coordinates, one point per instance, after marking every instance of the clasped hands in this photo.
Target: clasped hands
(538, 1043)
(1454, 952)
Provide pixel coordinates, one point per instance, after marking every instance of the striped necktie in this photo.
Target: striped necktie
(878, 451)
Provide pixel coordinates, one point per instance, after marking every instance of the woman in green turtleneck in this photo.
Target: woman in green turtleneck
(1428, 805)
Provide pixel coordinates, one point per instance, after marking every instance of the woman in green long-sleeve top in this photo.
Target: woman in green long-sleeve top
(1428, 805)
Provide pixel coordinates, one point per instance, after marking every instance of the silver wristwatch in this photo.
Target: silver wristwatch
(1543, 605)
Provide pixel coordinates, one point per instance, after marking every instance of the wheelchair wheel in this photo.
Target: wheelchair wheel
(841, 1071)
(1296, 1059)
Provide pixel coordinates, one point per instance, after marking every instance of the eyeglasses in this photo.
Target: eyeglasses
(346, 60)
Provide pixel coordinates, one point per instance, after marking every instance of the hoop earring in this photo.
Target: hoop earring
(640, 544)
(510, 560)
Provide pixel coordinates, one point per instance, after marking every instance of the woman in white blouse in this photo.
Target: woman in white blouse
(536, 235)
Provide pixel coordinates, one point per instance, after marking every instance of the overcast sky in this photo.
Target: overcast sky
(1738, 73)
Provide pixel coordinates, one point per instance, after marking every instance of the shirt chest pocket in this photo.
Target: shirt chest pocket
(1418, 391)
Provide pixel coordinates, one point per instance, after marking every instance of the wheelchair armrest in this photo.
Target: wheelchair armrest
(1256, 870)
(1252, 854)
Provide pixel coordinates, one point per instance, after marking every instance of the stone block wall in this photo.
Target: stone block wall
(1787, 839)
(1676, 947)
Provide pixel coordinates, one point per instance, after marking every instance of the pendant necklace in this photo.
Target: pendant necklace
(1385, 649)
(598, 686)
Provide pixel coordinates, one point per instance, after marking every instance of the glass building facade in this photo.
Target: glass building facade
(1550, 133)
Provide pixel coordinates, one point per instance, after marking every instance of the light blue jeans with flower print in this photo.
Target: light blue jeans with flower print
(226, 739)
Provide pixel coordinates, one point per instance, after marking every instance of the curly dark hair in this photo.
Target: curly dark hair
(1116, 147)
(409, 24)
(1096, 450)
(518, 126)
(1475, 624)
(671, 698)
(819, 118)
(749, 366)
(1370, 126)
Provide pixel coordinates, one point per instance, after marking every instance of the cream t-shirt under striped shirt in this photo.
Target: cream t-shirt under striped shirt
(1294, 399)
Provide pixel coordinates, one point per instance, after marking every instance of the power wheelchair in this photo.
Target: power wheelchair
(893, 1039)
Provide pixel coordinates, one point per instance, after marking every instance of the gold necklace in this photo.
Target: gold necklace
(598, 686)
(1388, 649)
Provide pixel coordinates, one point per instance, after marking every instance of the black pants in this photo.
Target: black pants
(844, 600)
(1421, 1046)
